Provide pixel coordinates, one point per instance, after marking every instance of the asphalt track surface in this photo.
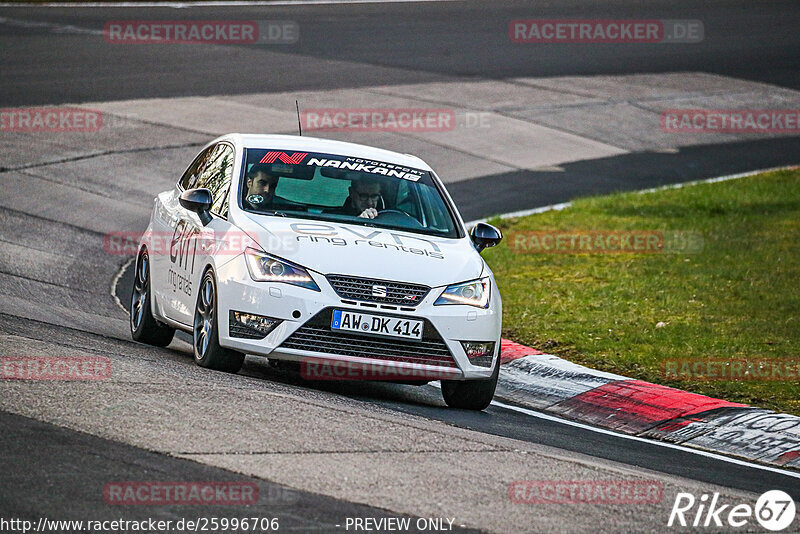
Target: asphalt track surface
(56, 470)
(350, 46)
(383, 43)
(70, 493)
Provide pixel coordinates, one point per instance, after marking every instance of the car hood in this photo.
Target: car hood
(336, 248)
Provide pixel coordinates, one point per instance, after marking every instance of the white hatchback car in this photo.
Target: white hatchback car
(324, 253)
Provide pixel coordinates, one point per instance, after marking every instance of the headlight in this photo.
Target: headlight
(475, 293)
(266, 268)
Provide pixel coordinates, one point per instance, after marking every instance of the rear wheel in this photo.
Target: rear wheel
(470, 394)
(144, 327)
(207, 351)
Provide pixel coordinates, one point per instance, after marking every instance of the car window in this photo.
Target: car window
(407, 201)
(322, 191)
(216, 176)
(191, 175)
(332, 187)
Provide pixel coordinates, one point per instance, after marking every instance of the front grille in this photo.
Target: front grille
(398, 293)
(316, 336)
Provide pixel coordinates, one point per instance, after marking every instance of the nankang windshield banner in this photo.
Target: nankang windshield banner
(346, 163)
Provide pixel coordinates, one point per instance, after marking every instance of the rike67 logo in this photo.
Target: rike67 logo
(774, 511)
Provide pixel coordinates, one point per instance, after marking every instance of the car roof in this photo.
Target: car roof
(328, 146)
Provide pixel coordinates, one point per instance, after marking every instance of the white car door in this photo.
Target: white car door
(193, 242)
(167, 231)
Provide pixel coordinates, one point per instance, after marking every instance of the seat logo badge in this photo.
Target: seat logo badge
(378, 291)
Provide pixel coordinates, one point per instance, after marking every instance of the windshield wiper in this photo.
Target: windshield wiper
(273, 213)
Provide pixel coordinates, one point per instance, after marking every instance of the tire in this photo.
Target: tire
(470, 394)
(144, 327)
(207, 351)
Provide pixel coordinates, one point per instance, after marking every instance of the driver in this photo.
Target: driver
(260, 188)
(365, 196)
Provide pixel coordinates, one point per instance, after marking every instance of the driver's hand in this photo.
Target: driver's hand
(369, 213)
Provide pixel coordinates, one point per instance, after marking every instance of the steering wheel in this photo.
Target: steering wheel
(400, 217)
(387, 212)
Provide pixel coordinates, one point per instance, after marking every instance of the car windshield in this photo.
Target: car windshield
(340, 188)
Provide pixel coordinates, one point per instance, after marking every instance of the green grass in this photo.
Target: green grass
(738, 298)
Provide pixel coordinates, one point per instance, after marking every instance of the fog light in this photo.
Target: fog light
(480, 353)
(250, 325)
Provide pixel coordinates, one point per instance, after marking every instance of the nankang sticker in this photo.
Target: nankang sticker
(374, 167)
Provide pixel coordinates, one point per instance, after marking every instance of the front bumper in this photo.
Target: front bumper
(302, 310)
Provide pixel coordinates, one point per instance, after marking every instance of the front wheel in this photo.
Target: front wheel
(207, 351)
(144, 327)
(470, 394)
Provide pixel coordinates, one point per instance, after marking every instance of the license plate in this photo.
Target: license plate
(376, 324)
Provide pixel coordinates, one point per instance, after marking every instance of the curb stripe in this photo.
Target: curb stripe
(683, 429)
(633, 406)
(543, 380)
(691, 450)
(510, 351)
(585, 397)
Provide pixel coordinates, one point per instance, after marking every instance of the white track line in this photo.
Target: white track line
(218, 3)
(564, 205)
(715, 180)
(56, 28)
(524, 213)
(115, 281)
(707, 454)
(555, 419)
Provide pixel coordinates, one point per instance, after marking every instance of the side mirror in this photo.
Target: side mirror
(198, 201)
(485, 235)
